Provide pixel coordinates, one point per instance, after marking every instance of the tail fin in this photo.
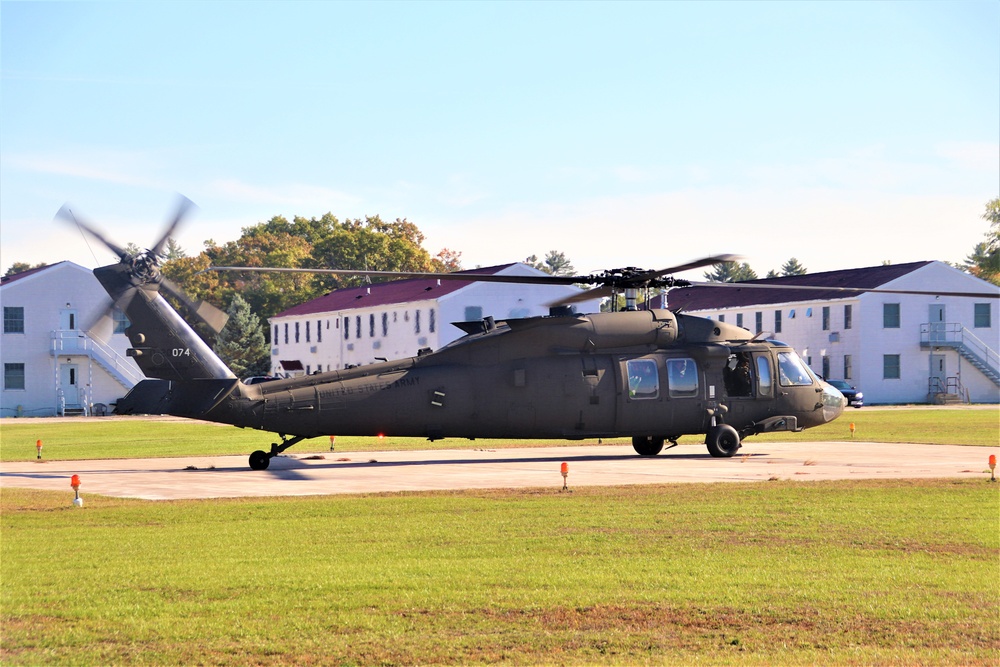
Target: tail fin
(163, 344)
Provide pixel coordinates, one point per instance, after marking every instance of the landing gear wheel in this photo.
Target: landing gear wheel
(723, 441)
(259, 460)
(647, 445)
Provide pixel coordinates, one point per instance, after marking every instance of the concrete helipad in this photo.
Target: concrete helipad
(374, 472)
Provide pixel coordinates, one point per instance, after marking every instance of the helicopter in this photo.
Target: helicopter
(652, 375)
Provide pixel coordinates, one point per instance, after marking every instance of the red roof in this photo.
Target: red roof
(6, 280)
(380, 294)
(714, 298)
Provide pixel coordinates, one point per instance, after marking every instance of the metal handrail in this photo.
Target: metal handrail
(72, 341)
(955, 333)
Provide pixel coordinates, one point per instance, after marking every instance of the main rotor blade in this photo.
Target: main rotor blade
(66, 214)
(183, 206)
(587, 295)
(214, 318)
(468, 277)
(852, 290)
(697, 264)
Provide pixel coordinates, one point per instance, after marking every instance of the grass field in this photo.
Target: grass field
(131, 438)
(858, 572)
(855, 572)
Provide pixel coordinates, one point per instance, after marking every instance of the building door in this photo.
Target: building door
(937, 323)
(67, 320)
(69, 383)
(939, 374)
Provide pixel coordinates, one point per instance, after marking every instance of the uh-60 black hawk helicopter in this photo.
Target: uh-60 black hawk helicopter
(651, 375)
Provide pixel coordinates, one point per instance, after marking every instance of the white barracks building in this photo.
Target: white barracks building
(361, 325)
(896, 348)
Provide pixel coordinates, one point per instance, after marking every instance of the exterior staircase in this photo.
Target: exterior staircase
(956, 337)
(75, 343)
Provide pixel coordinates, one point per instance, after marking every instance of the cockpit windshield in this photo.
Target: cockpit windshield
(791, 371)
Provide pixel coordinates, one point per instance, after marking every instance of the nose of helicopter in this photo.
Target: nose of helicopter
(833, 402)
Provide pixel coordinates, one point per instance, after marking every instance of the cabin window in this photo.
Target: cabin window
(764, 380)
(738, 376)
(682, 377)
(13, 319)
(643, 380)
(13, 376)
(981, 316)
(791, 372)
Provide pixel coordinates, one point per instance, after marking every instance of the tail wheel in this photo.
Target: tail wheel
(723, 441)
(647, 445)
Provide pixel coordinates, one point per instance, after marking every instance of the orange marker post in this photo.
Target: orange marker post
(333, 441)
(993, 465)
(38, 448)
(564, 469)
(74, 481)
(852, 430)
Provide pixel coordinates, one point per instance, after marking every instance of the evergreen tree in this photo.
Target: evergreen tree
(793, 268)
(730, 272)
(241, 343)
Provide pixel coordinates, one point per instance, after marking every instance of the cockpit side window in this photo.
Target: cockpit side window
(764, 376)
(738, 375)
(643, 380)
(791, 371)
(682, 377)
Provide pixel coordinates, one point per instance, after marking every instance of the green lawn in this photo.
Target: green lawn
(137, 437)
(853, 572)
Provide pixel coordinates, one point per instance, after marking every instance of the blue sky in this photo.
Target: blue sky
(643, 134)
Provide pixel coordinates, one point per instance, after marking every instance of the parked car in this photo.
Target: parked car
(855, 398)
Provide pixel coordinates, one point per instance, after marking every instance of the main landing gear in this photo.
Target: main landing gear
(260, 459)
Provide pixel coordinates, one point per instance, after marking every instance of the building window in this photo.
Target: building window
(739, 319)
(826, 367)
(13, 320)
(848, 370)
(347, 328)
(722, 317)
(981, 316)
(371, 325)
(758, 319)
(890, 366)
(416, 321)
(385, 324)
(13, 376)
(890, 316)
(777, 321)
(848, 316)
(275, 339)
(296, 332)
(286, 333)
(357, 327)
(473, 313)
(319, 330)
(826, 318)
(432, 320)
(121, 322)
(308, 337)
